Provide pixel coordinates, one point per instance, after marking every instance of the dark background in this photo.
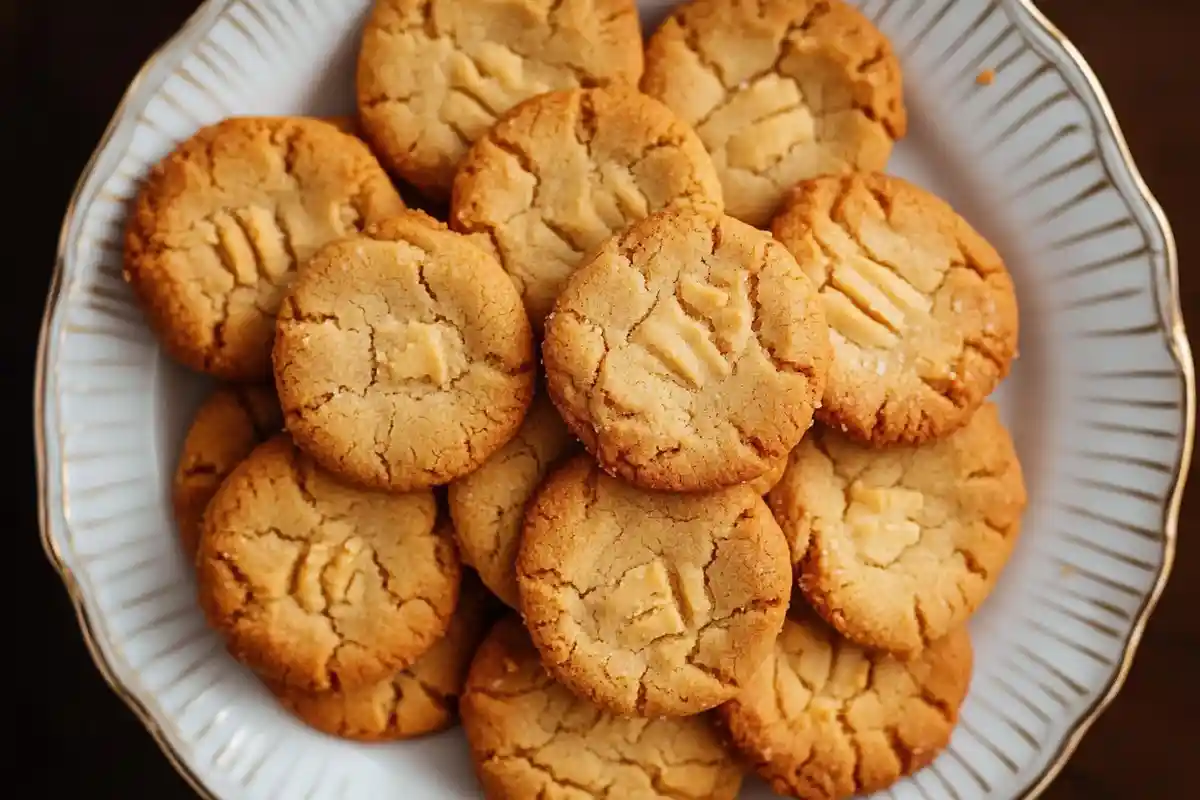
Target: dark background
(63, 67)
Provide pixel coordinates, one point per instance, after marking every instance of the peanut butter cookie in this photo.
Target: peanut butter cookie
(650, 603)
(689, 354)
(825, 719)
(561, 173)
(766, 482)
(896, 547)
(530, 737)
(222, 223)
(415, 701)
(433, 75)
(231, 422)
(320, 585)
(488, 506)
(921, 309)
(403, 358)
(779, 91)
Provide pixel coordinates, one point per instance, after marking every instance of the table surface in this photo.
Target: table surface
(64, 66)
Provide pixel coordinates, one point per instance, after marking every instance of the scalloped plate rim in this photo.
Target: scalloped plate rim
(138, 93)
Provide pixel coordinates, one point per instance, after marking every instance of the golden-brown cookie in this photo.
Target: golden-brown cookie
(689, 354)
(231, 422)
(766, 482)
(825, 719)
(320, 585)
(222, 223)
(420, 699)
(921, 309)
(896, 547)
(488, 506)
(403, 357)
(530, 737)
(650, 603)
(561, 173)
(433, 75)
(779, 91)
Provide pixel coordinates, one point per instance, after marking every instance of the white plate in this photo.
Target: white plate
(1101, 402)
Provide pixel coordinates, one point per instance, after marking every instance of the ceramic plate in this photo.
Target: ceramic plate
(1101, 402)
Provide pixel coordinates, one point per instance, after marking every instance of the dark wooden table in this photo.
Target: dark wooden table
(64, 65)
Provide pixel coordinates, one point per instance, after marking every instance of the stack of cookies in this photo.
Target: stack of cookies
(740, 515)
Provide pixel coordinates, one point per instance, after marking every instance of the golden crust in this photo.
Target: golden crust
(227, 427)
(562, 172)
(707, 371)
(432, 77)
(922, 311)
(650, 603)
(317, 584)
(896, 547)
(530, 737)
(779, 91)
(222, 223)
(825, 719)
(404, 357)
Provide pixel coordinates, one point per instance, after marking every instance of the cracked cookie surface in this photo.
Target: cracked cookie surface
(433, 75)
(779, 91)
(222, 223)
(488, 505)
(417, 700)
(896, 547)
(531, 737)
(230, 423)
(317, 584)
(650, 603)
(922, 311)
(561, 173)
(825, 719)
(403, 357)
(689, 354)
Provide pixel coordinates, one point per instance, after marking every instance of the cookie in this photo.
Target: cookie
(488, 506)
(766, 482)
(561, 173)
(897, 547)
(403, 358)
(415, 701)
(778, 91)
(432, 77)
(530, 737)
(825, 719)
(231, 422)
(221, 224)
(689, 354)
(320, 585)
(921, 309)
(650, 603)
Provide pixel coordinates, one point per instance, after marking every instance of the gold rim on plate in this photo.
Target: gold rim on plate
(1176, 340)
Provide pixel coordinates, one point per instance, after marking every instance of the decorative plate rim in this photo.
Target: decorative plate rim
(1107, 126)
